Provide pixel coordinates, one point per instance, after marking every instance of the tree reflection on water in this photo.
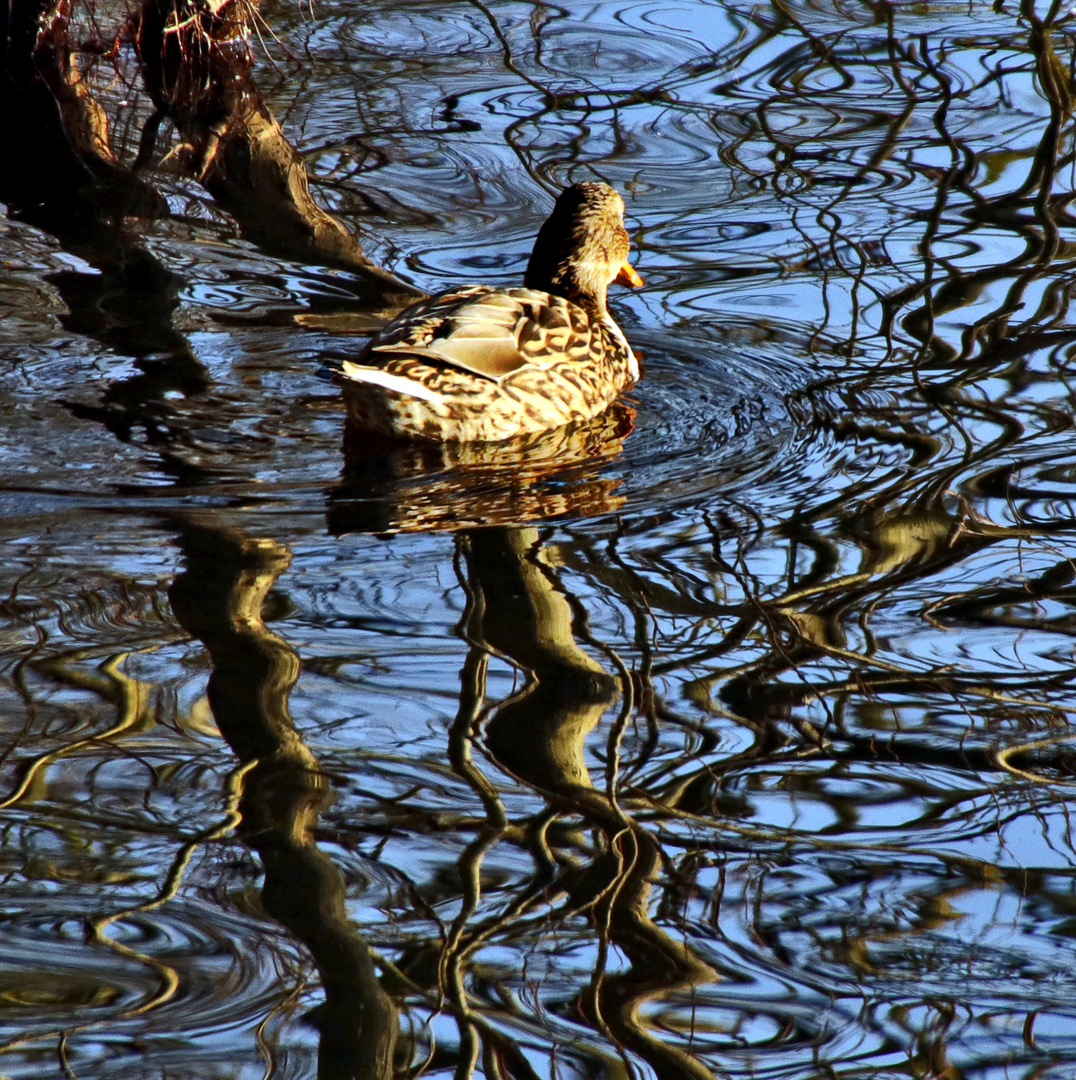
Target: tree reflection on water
(728, 735)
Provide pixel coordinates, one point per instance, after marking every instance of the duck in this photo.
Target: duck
(480, 363)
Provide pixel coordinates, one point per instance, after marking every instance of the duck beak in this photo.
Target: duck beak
(627, 275)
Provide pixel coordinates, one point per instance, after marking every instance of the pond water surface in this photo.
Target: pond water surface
(732, 737)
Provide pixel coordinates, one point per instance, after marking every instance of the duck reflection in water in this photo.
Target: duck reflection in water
(397, 485)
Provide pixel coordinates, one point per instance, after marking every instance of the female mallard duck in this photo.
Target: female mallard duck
(481, 364)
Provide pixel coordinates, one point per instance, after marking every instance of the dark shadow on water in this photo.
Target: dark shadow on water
(65, 171)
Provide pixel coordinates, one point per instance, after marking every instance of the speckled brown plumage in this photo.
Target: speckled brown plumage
(479, 363)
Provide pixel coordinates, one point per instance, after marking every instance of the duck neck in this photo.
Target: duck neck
(589, 295)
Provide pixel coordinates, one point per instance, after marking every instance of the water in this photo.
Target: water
(728, 738)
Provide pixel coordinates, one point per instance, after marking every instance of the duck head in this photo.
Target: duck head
(583, 247)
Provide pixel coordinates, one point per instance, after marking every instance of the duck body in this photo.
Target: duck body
(482, 364)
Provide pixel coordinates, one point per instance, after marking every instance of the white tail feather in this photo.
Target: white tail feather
(396, 383)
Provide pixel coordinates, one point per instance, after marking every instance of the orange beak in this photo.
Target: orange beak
(627, 275)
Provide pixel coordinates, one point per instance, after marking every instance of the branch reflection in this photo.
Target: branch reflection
(518, 610)
(219, 598)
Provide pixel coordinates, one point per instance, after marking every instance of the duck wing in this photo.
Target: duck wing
(488, 332)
